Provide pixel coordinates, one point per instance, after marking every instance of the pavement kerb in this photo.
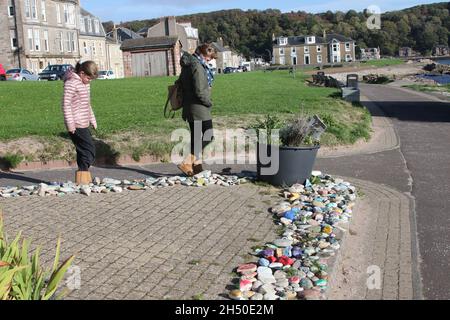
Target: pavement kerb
(373, 191)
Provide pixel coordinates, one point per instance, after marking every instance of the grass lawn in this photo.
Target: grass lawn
(130, 111)
(383, 62)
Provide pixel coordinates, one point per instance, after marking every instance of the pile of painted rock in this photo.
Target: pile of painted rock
(112, 185)
(295, 266)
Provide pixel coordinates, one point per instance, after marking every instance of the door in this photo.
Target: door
(149, 64)
(307, 59)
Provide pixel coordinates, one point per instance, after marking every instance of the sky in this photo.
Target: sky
(127, 10)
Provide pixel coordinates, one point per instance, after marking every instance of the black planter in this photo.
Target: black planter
(295, 165)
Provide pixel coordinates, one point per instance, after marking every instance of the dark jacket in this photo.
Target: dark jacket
(196, 91)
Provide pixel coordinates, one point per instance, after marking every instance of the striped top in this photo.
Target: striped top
(76, 104)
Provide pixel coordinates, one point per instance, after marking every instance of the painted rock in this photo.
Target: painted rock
(306, 283)
(267, 253)
(263, 262)
(247, 268)
(236, 295)
(271, 259)
(245, 285)
(282, 243)
(294, 280)
(257, 297)
(286, 261)
(276, 265)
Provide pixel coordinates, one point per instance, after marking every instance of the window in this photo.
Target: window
(43, 11)
(61, 42)
(12, 34)
(71, 17)
(319, 48)
(294, 50)
(46, 47)
(30, 39)
(33, 9)
(347, 46)
(10, 11)
(319, 58)
(89, 25)
(72, 42)
(66, 13)
(282, 60)
(307, 59)
(100, 47)
(306, 49)
(348, 57)
(82, 25)
(97, 26)
(58, 13)
(294, 61)
(335, 47)
(28, 8)
(283, 41)
(86, 51)
(281, 51)
(68, 42)
(37, 40)
(93, 49)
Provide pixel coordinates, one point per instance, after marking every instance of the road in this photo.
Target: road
(420, 167)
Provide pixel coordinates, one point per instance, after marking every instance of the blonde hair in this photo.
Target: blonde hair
(206, 50)
(88, 67)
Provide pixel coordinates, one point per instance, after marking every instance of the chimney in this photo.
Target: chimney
(325, 35)
(170, 26)
(115, 34)
(273, 37)
(220, 41)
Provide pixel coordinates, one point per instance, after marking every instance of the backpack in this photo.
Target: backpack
(174, 99)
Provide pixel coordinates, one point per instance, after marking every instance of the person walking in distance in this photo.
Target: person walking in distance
(78, 116)
(196, 82)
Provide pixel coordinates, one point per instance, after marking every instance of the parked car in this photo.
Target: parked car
(2, 73)
(229, 70)
(55, 72)
(109, 74)
(21, 75)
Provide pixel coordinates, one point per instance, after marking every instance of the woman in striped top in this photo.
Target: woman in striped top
(78, 116)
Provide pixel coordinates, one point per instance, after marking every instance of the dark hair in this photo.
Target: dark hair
(88, 67)
(206, 49)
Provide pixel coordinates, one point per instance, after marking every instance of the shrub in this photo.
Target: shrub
(11, 161)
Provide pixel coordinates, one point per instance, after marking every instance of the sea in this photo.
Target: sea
(442, 79)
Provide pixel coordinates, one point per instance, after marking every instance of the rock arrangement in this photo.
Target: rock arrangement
(107, 185)
(295, 266)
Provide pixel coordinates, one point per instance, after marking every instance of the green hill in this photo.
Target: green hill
(250, 32)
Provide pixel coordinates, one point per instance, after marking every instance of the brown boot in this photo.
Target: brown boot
(198, 168)
(187, 166)
(83, 178)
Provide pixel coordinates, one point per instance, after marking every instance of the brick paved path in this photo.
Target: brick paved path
(171, 243)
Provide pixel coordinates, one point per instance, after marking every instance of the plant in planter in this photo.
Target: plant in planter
(292, 157)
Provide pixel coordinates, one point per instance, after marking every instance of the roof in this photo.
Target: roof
(124, 34)
(300, 40)
(143, 30)
(152, 42)
(219, 48)
(85, 15)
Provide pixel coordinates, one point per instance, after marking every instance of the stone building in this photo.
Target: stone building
(36, 33)
(312, 50)
(169, 27)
